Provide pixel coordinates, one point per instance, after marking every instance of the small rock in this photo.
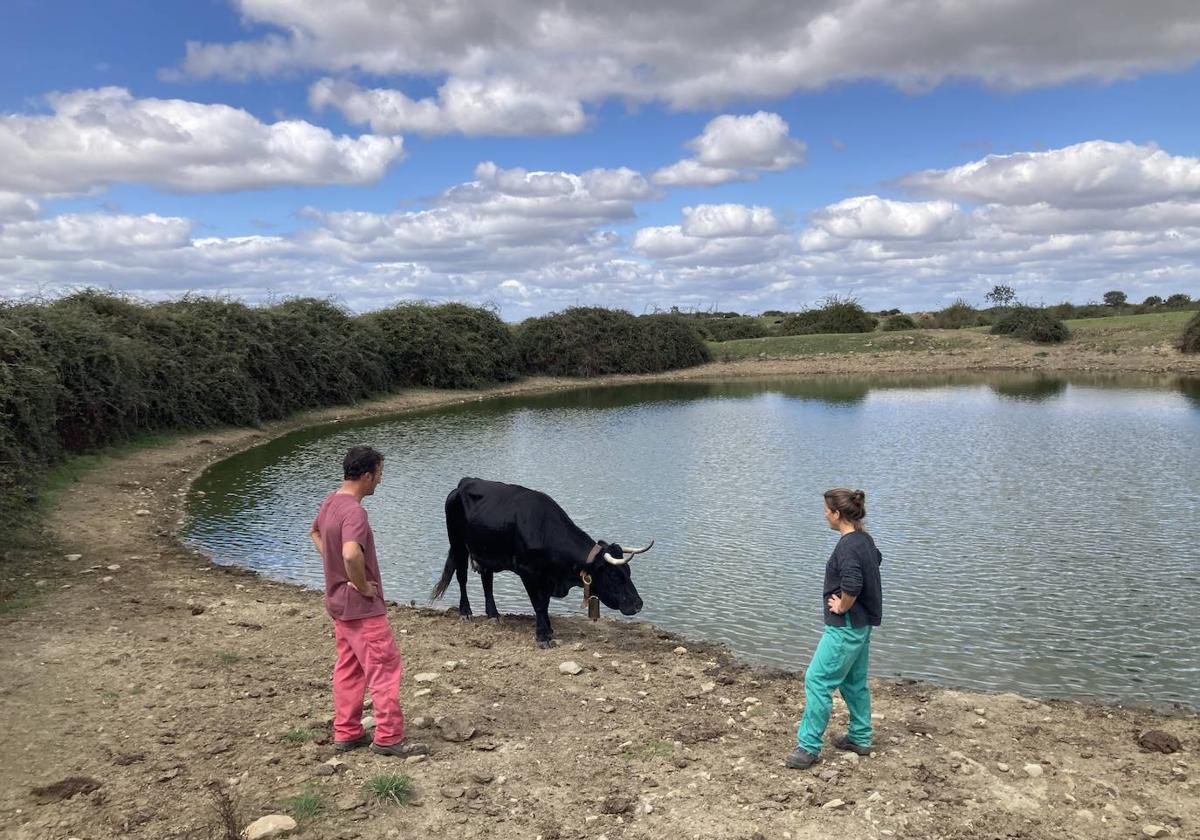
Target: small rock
(115, 567)
(874, 797)
(608, 710)
(272, 825)
(422, 692)
(680, 651)
(72, 558)
(368, 722)
(426, 676)
(570, 667)
(450, 665)
(828, 775)
(1033, 771)
(1001, 766)
(981, 712)
(324, 770)
(455, 729)
(1152, 830)
(851, 757)
(708, 687)
(144, 512)
(350, 801)
(415, 759)
(482, 777)
(453, 791)
(615, 805)
(104, 579)
(833, 804)
(336, 763)
(1155, 740)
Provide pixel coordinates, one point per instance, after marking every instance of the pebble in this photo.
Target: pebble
(272, 825)
(707, 688)
(1152, 830)
(833, 804)
(114, 567)
(422, 692)
(450, 665)
(144, 512)
(680, 651)
(368, 722)
(828, 775)
(1033, 771)
(415, 759)
(1001, 766)
(426, 676)
(324, 770)
(72, 558)
(570, 667)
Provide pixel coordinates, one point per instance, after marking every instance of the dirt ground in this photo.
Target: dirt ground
(143, 677)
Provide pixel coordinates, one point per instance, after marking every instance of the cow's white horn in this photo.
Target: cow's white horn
(616, 561)
(637, 551)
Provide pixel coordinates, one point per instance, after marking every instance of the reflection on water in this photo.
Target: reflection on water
(1038, 532)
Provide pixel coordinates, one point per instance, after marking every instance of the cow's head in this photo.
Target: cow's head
(611, 579)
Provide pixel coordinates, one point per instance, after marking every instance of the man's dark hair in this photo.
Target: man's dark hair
(359, 461)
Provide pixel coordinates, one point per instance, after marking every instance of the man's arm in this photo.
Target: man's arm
(356, 568)
(316, 538)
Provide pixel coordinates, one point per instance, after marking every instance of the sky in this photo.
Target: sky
(645, 155)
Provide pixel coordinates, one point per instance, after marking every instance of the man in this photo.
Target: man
(366, 649)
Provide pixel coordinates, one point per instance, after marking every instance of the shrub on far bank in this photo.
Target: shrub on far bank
(836, 315)
(959, 315)
(895, 323)
(730, 329)
(1190, 341)
(593, 341)
(1033, 325)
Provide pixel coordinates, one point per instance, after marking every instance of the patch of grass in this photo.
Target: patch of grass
(306, 805)
(395, 788)
(834, 344)
(652, 749)
(298, 736)
(1129, 332)
(17, 597)
(229, 657)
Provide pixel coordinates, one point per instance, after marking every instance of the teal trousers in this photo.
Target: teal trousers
(838, 664)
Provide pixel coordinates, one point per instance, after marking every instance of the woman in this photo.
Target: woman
(853, 605)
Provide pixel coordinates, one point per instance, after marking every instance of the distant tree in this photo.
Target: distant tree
(1115, 298)
(1153, 300)
(1001, 295)
(1179, 300)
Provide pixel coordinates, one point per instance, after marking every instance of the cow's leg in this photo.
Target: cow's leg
(464, 605)
(489, 602)
(540, 599)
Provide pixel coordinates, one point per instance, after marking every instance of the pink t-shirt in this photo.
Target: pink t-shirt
(343, 519)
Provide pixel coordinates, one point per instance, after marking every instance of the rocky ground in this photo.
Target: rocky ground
(143, 685)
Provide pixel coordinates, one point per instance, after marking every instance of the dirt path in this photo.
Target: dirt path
(148, 673)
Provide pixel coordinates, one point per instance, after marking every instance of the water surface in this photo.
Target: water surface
(1039, 534)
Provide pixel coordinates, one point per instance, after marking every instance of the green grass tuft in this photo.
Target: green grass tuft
(395, 788)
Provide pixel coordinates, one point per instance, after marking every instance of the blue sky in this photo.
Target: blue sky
(638, 155)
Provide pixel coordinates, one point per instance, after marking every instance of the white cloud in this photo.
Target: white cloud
(701, 54)
(88, 235)
(98, 137)
(473, 107)
(872, 217)
(1095, 174)
(692, 173)
(730, 147)
(17, 206)
(712, 221)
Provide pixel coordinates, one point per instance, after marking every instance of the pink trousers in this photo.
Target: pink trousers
(367, 657)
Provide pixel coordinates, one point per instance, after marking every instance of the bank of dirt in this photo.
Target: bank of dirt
(144, 674)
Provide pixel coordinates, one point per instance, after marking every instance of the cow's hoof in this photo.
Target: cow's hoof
(464, 616)
(547, 643)
(495, 618)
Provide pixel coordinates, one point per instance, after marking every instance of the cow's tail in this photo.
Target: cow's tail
(456, 530)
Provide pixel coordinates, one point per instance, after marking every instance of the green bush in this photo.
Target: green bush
(899, 322)
(1190, 341)
(447, 346)
(1179, 299)
(836, 315)
(958, 315)
(1031, 324)
(593, 341)
(730, 329)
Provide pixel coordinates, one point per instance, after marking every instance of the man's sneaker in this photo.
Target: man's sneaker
(401, 749)
(801, 759)
(345, 746)
(843, 742)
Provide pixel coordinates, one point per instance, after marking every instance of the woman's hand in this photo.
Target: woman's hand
(840, 604)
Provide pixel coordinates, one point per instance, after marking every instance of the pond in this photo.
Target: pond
(1039, 534)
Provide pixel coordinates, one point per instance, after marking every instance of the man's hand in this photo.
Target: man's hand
(370, 591)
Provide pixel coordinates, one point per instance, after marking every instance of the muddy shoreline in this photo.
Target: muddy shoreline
(167, 673)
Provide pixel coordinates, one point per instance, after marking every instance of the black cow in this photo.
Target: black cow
(507, 527)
